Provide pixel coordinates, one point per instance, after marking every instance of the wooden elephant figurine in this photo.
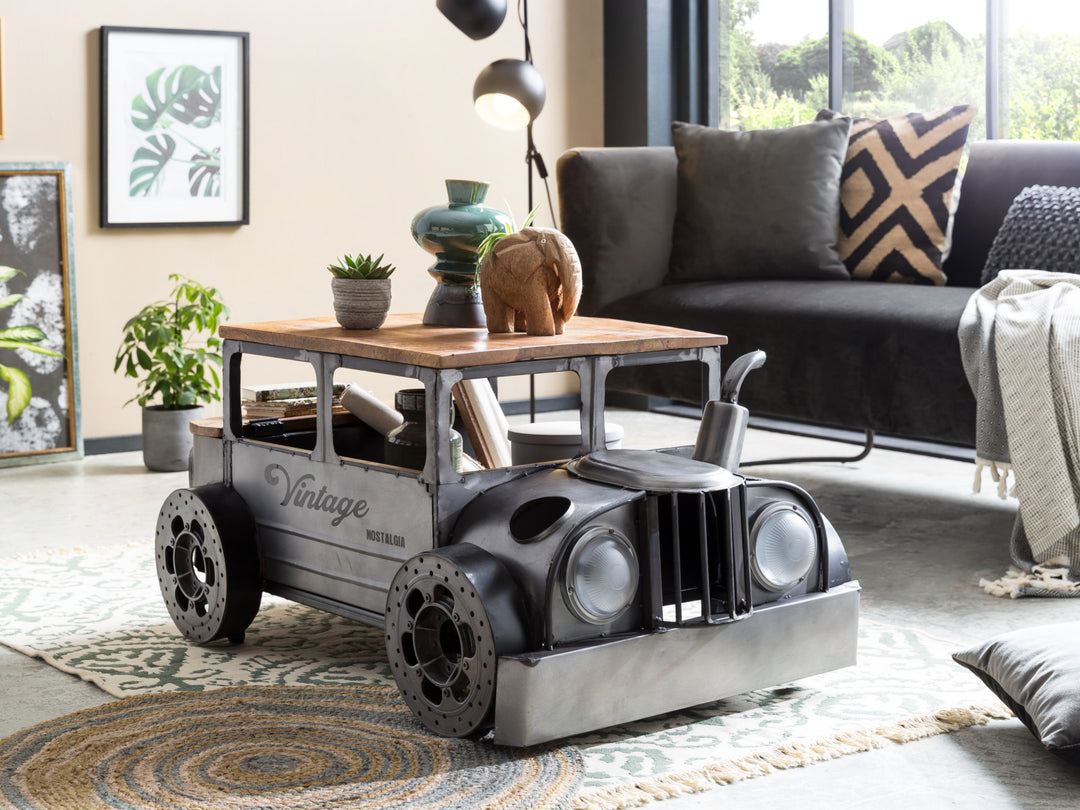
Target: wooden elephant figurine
(531, 282)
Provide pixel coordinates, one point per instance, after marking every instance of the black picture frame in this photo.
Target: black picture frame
(39, 366)
(174, 127)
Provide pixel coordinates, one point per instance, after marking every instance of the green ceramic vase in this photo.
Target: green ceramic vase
(453, 233)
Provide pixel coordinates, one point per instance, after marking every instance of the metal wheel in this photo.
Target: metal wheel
(450, 614)
(207, 563)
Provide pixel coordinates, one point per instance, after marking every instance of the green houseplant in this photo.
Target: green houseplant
(361, 287)
(171, 347)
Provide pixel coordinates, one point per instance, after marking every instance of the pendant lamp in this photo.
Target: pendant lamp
(509, 93)
(475, 18)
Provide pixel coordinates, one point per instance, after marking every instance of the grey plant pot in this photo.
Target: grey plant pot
(361, 303)
(166, 437)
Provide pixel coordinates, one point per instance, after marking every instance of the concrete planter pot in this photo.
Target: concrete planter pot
(166, 437)
(361, 303)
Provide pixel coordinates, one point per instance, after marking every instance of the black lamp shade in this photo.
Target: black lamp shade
(475, 18)
(509, 93)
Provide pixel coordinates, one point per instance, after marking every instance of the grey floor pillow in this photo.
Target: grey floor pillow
(1036, 673)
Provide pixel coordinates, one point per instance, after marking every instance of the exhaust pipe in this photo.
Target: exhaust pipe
(723, 422)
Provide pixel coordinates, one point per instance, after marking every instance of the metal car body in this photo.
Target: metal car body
(540, 600)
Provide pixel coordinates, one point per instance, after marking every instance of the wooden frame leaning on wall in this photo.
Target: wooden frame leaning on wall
(3, 128)
(39, 375)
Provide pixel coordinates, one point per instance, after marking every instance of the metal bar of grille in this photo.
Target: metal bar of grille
(655, 601)
(703, 550)
(676, 547)
(741, 600)
(730, 561)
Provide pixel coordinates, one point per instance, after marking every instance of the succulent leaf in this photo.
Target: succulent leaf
(361, 266)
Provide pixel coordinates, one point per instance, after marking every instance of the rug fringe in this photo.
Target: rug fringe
(1051, 577)
(789, 755)
(64, 551)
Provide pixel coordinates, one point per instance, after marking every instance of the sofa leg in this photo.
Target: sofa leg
(867, 447)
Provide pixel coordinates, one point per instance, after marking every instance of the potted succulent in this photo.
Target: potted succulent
(177, 367)
(361, 287)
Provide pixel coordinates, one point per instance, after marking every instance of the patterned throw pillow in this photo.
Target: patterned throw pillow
(1041, 231)
(895, 189)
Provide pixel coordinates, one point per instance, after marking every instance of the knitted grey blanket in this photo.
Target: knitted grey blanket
(1020, 344)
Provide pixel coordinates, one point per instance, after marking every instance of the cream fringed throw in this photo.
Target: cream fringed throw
(1020, 344)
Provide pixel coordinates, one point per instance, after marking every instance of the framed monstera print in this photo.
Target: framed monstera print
(174, 127)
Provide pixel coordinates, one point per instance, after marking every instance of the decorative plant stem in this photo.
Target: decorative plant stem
(492, 238)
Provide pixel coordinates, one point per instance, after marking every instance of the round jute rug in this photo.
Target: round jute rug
(271, 747)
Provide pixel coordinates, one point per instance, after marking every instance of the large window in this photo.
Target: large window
(774, 63)
(1018, 61)
(1040, 77)
(919, 55)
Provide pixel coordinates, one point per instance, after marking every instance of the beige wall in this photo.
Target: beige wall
(359, 110)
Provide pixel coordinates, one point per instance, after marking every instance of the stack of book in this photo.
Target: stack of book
(283, 399)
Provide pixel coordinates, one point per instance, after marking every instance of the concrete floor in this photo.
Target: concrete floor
(918, 540)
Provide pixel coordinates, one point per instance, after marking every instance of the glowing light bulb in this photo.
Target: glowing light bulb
(503, 111)
(505, 105)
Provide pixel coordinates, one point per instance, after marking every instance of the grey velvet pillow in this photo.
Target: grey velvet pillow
(1041, 231)
(763, 204)
(1036, 672)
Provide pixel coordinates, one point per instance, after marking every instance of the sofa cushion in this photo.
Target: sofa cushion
(1035, 671)
(895, 190)
(996, 172)
(618, 206)
(761, 204)
(1041, 231)
(880, 356)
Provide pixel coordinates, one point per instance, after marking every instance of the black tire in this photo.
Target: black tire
(450, 614)
(208, 563)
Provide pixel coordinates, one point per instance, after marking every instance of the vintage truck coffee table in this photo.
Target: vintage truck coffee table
(540, 600)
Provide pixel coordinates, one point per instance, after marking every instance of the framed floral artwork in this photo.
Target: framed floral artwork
(39, 380)
(174, 127)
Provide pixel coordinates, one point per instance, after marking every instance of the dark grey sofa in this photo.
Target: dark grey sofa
(863, 355)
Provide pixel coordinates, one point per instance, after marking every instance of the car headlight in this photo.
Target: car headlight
(783, 546)
(601, 575)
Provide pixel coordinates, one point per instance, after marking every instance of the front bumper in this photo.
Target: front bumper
(548, 695)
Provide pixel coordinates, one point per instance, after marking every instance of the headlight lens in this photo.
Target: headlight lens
(601, 575)
(783, 546)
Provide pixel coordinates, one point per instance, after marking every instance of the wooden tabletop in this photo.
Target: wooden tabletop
(404, 339)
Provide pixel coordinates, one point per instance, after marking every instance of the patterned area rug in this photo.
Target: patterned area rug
(100, 616)
(271, 746)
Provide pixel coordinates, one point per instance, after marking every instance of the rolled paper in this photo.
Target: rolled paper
(370, 410)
